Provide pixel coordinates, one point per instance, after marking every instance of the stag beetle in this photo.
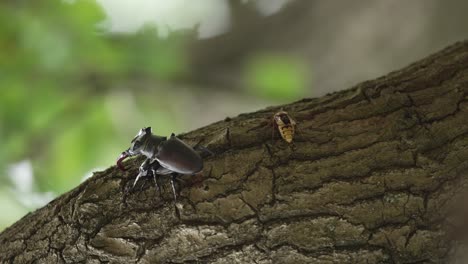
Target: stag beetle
(163, 157)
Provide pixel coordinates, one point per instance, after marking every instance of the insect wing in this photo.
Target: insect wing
(177, 156)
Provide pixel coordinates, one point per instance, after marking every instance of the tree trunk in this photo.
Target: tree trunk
(372, 177)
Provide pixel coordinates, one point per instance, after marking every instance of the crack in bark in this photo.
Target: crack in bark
(372, 174)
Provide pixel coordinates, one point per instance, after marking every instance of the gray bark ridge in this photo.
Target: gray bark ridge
(371, 178)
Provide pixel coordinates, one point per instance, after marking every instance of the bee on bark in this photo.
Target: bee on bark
(285, 124)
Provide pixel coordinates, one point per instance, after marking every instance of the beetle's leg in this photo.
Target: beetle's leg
(173, 177)
(203, 150)
(143, 171)
(156, 182)
(138, 177)
(154, 169)
(142, 185)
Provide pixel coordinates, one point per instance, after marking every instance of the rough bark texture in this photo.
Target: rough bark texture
(370, 179)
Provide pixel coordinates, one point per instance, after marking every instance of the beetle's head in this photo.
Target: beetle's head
(139, 140)
(138, 144)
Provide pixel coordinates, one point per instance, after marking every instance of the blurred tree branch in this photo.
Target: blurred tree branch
(373, 175)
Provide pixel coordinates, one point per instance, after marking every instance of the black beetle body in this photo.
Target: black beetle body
(164, 156)
(175, 155)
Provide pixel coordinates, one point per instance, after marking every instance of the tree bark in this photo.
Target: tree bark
(373, 176)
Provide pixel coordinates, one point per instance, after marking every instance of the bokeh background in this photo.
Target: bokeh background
(79, 78)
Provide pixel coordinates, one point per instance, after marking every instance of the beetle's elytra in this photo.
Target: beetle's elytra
(164, 156)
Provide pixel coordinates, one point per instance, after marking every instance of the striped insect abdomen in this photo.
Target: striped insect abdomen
(287, 132)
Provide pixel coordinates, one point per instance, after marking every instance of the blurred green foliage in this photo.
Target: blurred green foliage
(58, 71)
(276, 76)
(72, 95)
